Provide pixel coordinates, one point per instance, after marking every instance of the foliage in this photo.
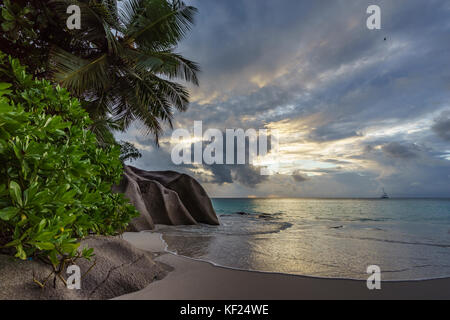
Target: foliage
(28, 30)
(122, 63)
(128, 151)
(55, 181)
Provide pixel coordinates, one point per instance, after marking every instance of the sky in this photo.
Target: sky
(357, 110)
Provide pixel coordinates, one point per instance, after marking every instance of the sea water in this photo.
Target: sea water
(408, 239)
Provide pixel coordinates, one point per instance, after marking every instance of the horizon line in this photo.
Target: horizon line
(340, 198)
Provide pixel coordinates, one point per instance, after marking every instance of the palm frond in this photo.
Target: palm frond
(176, 66)
(80, 75)
(129, 11)
(160, 23)
(103, 128)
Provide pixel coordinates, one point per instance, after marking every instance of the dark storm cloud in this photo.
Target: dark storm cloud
(245, 174)
(159, 158)
(329, 133)
(442, 126)
(299, 177)
(221, 174)
(248, 175)
(401, 151)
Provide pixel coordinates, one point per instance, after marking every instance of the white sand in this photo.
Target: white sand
(198, 280)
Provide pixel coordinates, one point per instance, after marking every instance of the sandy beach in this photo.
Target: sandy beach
(198, 280)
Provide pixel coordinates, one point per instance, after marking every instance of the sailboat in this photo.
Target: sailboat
(384, 195)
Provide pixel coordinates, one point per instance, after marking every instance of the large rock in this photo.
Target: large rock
(165, 197)
(120, 268)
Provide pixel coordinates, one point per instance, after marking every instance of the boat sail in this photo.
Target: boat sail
(384, 195)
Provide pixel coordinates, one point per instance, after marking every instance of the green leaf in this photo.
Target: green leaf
(12, 243)
(69, 247)
(41, 225)
(41, 197)
(17, 151)
(4, 85)
(15, 192)
(31, 191)
(8, 16)
(7, 213)
(4, 134)
(4, 108)
(88, 251)
(44, 236)
(45, 245)
(2, 186)
(20, 252)
(8, 25)
(68, 195)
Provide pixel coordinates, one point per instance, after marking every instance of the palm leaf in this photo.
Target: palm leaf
(80, 75)
(159, 23)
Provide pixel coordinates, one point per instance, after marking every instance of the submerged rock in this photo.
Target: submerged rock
(165, 197)
(119, 269)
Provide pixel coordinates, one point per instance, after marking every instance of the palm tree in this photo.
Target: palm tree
(123, 63)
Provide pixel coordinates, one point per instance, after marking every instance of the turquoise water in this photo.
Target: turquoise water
(408, 238)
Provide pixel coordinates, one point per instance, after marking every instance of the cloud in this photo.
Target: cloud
(330, 133)
(221, 174)
(245, 174)
(400, 151)
(442, 126)
(298, 177)
(248, 175)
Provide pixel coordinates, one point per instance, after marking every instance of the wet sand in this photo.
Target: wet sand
(198, 280)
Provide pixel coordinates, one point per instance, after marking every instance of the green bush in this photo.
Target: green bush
(55, 180)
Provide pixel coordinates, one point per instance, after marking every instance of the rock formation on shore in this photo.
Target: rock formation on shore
(165, 197)
(119, 269)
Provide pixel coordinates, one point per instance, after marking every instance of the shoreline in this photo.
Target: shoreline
(166, 250)
(195, 279)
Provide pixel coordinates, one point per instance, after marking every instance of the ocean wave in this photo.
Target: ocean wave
(227, 229)
(352, 219)
(438, 245)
